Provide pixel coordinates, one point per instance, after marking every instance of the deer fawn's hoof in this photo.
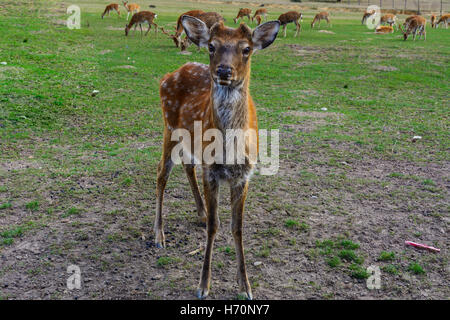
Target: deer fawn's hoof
(202, 293)
(159, 239)
(245, 296)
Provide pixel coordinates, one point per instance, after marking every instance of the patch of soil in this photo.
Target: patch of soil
(327, 31)
(103, 52)
(384, 68)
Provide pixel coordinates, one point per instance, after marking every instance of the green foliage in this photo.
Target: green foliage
(416, 268)
(386, 256)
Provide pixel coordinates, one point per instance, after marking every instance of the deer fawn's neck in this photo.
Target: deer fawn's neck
(230, 105)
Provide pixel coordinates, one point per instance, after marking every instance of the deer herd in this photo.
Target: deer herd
(414, 25)
(217, 97)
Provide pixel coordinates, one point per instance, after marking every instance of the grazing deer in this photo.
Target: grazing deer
(111, 7)
(433, 21)
(261, 13)
(384, 29)
(288, 17)
(218, 97)
(209, 18)
(179, 28)
(131, 8)
(389, 19)
(140, 18)
(367, 15)
(320, 16)
(414, 25)
(443, 19)
(408, 20)
(243, 12)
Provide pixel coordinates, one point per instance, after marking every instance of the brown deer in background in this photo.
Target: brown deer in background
(262, 13)
(389, 19)
(367, 15)
(111, 7)
(218, 97)
(321, 16)
(131, 8)
(291, 17)
(414, 25)
(179, 28)
(245, 12)
(140, 18)
(443, 19)
(433, 21)
(384, 29)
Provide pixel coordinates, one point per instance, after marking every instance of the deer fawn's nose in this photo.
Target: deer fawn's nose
(223, 71)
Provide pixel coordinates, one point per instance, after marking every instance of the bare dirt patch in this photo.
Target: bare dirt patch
(384, 68)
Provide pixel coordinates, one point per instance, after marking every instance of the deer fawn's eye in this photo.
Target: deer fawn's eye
(246, 51)
(211, 48)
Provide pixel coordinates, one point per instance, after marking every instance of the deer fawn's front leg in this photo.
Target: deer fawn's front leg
(211, 190)
(238, 196)
(164, 168)
(192, 177)
(297, 28)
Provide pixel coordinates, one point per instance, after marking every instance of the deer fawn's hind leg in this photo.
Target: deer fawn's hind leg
(164, 168)
(238, 196)
(190, 172)
(211, 189)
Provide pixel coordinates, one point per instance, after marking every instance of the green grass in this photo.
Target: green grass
(390, 268)
(386, 256)
(71, 212)
(164, 261)
(6, 205)
(32, 205)
(416, 268)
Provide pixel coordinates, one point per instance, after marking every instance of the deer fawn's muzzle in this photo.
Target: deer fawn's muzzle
(224, 73)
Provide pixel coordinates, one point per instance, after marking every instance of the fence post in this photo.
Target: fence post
(381, 3)
(441, 7)
(418, 6)
(404, 10)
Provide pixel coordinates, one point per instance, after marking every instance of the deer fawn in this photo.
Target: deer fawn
(218, 97)
(288, 17)
(321, 16)
(245, 12)
(111, 7)
(443, 19)
(389, 19)
(262, 13)
(140, 18)
(384, 29)
(367, 15)
(132, 7)
(414, 25)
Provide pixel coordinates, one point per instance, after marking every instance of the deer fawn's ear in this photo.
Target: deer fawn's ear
(265, 34)
(196, 30)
